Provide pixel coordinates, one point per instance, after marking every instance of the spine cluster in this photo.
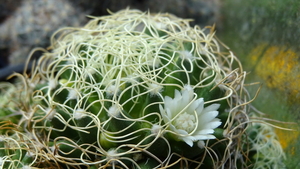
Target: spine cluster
(133, 90)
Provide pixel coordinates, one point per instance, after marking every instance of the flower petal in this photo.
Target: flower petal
(212, 107)
(200, 107)
(204, 137)
(173, 108)
(164, 114)
(188, 141)
(207, 117)
(204, 132)
(194, 106)
(178, 95)
(213, 124)
(168, 101)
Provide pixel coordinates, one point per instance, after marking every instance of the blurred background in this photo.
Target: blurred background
(264, 35)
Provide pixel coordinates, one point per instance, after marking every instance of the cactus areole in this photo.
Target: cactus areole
(135, 90)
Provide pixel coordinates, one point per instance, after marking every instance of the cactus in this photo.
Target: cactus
(135, 90)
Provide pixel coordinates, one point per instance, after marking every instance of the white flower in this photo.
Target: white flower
(187, 117)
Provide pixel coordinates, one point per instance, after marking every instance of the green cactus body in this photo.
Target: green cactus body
(135, 90)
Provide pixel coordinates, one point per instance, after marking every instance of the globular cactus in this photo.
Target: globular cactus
(136, 90)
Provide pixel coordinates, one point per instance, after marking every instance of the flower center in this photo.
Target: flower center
(185, 122)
